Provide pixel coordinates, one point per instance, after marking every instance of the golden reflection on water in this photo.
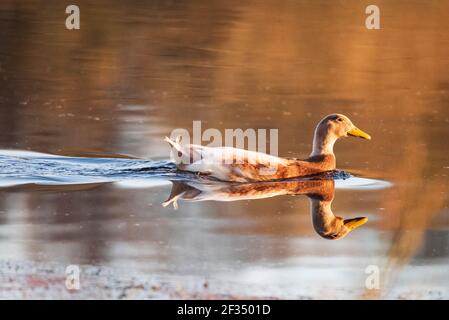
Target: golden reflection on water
(136, 71)
(320, 193)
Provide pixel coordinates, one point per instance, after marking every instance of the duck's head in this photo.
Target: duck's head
(338, 228)
(339, 125)
(331, 128)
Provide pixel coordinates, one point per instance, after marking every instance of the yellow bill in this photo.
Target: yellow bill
(355, 223)
(356, 132)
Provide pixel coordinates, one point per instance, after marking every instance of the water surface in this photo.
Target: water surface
(136, 71)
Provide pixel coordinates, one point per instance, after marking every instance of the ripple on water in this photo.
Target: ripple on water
(19, 167)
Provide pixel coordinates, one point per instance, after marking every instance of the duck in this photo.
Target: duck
(320, 193)
(240, 165)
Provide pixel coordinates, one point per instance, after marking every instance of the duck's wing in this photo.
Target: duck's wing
(232, 156)
(191, 153)
(221, 162)
(233, 164)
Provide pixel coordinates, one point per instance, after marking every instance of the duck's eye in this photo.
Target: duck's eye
(339, 119)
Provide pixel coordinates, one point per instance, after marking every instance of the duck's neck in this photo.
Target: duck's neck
(322, 216)
(323, 144)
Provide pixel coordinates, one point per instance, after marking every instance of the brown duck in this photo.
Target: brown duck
(238, 165)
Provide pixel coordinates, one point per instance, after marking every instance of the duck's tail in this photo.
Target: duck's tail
(175, 144)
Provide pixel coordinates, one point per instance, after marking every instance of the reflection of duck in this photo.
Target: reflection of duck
(232, 164)
(320, 193)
